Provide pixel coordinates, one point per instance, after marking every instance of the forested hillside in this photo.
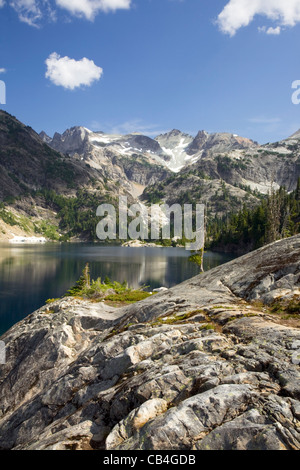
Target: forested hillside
(276, 217)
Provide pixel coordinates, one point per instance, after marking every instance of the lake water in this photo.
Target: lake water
(31, 274)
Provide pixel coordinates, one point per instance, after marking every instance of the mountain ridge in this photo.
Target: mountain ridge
(64, 179)
(174, 149)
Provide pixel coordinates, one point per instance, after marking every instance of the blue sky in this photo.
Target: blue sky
(152, 65)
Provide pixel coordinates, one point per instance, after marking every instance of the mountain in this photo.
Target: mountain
(45, 138)
(258, 167)
(39, 187)
(114, 155)
(72, 141)
(28, 164)
(75, 160)
(294, 136)
(175, 144)
(53, 186)
(233, 165)
(173, 150)
(80, 141)
(56, 191)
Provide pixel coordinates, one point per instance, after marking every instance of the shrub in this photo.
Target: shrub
(109, 290)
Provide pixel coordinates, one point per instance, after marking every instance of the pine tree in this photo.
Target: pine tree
(273, 216)
(197, 256)
(83, 283)
(297, 195)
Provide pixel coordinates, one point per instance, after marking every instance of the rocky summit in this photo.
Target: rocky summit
(204, 365)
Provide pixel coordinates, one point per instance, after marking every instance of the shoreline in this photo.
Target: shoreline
(151, 373)
(27, 240)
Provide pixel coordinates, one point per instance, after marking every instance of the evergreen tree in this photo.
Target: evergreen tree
(276, 217)
(84, 282)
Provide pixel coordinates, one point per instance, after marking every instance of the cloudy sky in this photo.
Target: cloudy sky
(152, 65)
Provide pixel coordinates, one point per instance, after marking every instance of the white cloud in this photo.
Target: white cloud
(2, 70)
(265, 120)
(89, 8)
(239, 13)
(136, 126)
(33, 11)
(71, 74)
(274, 31)
(270, 31)
(29, 11)
(129, 127)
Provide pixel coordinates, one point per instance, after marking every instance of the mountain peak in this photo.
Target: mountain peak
(198, 142)
(296, 135)
(72, 141)
(175, 132)
(172, 133)
(45, 137)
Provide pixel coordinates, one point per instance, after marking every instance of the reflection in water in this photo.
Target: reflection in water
(31, 274)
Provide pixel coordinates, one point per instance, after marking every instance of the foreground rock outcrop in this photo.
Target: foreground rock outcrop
(201, 366)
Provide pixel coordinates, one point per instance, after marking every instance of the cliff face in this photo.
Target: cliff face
(27, 164)
(203, 365)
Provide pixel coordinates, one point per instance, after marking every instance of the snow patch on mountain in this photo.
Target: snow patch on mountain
(174, 150)
(174, 144)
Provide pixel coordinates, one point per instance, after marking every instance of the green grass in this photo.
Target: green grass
(21, 221)
(43, 227)
(290, 308)
(108, 290)
(217, 307)
(129, 296)
(209, 326)
(179, 318)
(50, 301)
(47, 229)
(8, 217)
